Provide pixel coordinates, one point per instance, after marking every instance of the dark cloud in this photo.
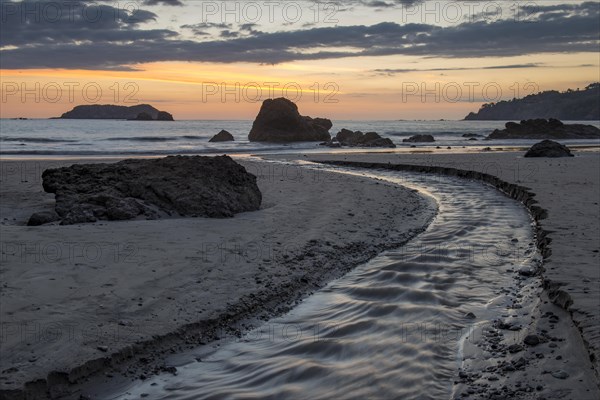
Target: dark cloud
(200, 29)
(165, 2)
(121, 41)
(394, 71)
(33, 24)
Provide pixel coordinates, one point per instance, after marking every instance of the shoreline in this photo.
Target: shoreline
(313, 151)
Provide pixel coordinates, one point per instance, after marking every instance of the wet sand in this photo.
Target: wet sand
(116, 297)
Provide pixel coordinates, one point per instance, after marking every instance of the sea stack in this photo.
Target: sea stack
(279, 121)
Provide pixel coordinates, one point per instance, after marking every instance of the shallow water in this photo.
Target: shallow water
(391, 328)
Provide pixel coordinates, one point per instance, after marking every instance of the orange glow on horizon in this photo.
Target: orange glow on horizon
(351, 89)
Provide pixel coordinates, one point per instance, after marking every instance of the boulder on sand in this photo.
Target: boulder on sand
(420, 139)
(548, 148)
(280, 122)
(216, 187)
(41, 218)
(222, 136)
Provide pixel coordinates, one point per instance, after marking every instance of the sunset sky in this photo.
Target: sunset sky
(344, 60)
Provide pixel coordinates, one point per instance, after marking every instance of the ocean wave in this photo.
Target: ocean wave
(144, 139)
(189, 137)
(36, 140)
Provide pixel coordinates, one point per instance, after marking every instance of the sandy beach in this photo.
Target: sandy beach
(82, 299)
(300, 200)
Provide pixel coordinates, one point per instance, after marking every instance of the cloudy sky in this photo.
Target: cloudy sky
(363, 59)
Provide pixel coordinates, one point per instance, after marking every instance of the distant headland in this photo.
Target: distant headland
(573, 105)
(141, 112)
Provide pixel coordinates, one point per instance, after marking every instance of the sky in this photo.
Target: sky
(357, 59)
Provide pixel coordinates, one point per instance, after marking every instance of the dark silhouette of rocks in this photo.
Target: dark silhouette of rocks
(143, 117)
(108, 111)
(215, 187)
(420, 139)
(545, 129)
(222, 136)
(548, 148)
(346, 137)
(41, 218)
(574, 105)
(280, 122)
(164, 116)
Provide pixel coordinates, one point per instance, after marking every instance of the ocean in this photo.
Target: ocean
(92, 138)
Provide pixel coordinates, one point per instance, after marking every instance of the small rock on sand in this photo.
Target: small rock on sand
(548, 148)
(41, 218)
(560, 374)
(515, 348)
(532, 340)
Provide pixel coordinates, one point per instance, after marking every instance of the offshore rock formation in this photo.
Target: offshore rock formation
(346, 137)
(420, 139)
(545, 129)
(222, 136)
(280, 122)
(108, 111)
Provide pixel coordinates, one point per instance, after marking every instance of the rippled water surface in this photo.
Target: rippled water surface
(392, 328)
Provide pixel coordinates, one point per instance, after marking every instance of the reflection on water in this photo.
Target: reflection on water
(392, 328)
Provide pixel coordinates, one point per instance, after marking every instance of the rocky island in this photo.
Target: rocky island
(140, 112)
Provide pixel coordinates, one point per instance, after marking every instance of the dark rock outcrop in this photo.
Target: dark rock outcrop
(222, 136)
(346, 137)
(108, 111)
(574, 105)
(41, 218)
(545, 129)
(548, 148)
(280, 122)
(420, 139)
(216, 187)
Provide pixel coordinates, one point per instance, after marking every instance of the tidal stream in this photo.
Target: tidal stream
(394, 327)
